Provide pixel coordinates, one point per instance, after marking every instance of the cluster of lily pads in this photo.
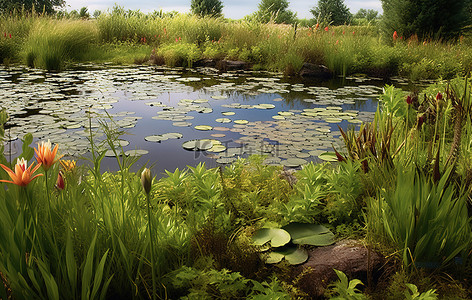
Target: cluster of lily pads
(284, 243)
(65, 107)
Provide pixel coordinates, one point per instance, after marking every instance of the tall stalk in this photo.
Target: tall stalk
(146, 181)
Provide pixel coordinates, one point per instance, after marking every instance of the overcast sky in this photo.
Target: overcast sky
(234, 9)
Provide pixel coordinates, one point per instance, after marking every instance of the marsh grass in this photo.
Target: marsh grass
(126, 36)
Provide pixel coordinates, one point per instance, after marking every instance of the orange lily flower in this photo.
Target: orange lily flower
(22, 174)
(45, 156)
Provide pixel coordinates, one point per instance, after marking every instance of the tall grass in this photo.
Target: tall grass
(50, 43)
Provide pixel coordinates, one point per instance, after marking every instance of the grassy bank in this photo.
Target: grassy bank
(402, 187)
(121, 36)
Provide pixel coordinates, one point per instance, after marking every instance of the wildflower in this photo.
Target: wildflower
(60, 184)
(409, 100)
(10, 35)
(439, 96)
(326, 28)
(146, 180)
(46, 156)
(395, 35)
(344, 31)
(337, 42)
(176, 40)
(22, 174)
(353, 33)
(317, 26)
(68, 165)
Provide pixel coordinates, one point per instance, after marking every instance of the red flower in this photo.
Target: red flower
(317, 25)
(60, 184)
(176, 40)
(409, 100)
(326, 28)
(395, 36)
(10, 35)
(344, 31)
(23, 174)
(353, 33)
(439, 96)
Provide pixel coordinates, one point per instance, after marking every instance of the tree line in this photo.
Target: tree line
(426, 19)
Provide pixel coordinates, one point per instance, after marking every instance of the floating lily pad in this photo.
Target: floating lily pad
(241, 122)
(217, 148)
(198, 145)
(228, 113)
(136, 152)
(294, 162)
(328, 156)
(203, 127)
(278, 117)
(219, 97)
(218, 135)
(172, 135)
(223, 120)
(276, 236)
(182, 124)
(155, 138)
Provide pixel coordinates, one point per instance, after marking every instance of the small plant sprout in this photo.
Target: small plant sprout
(146, 181)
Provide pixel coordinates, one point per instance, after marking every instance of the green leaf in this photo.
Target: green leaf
(87, 270)
(309, 234)
(70, 262)
(292, 255)
(28, 152)
(98, 275)
(276, 236)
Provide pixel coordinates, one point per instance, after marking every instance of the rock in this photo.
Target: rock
(231, 65)
(205, 63)
(348, 256)
(318, 71)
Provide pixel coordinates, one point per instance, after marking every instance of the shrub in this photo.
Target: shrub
(212, 8)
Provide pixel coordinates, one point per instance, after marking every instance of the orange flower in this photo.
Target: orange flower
(68, 165)
(395, 36)
(45, 156)
(22, 174)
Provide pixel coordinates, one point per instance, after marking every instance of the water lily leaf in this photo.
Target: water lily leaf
(203, 127)
(218, 135)
(155, 138)
(217, 148)
(292, 255)
(241, 122)
(309, 234)
(182, 124)
(226, 160)
(274, 258)
(328, 156)
(172, 135)
(219, 97)
(136, 152)
(228, 113)
(223, 120)
(276, 236)
(278, 117)
(294, 162)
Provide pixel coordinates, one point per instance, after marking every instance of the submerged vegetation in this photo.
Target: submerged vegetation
(120, 36)
(402, 186)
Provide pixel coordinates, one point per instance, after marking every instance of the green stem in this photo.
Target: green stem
(50, 212)
(152, 248)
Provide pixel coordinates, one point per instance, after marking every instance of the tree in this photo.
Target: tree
(48, 6)
(332, 11)
(203, 8)
(441, 19)
(369, 14)
(276, 10)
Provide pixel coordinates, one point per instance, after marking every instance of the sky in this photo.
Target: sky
(234, 9)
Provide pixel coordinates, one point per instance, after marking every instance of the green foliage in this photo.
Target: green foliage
(51, 45)
(212, 8)
(427, 222)
(413, 293)
(333, 12)
(212, 284)
(438, 19)
(346, 289)
(276, 11)
(180, 54)
(47, 6)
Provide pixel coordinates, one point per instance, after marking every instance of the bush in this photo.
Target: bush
(212, 8)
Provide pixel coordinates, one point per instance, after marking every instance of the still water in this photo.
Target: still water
(175, 117)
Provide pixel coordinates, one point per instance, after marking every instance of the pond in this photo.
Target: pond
(175, 117)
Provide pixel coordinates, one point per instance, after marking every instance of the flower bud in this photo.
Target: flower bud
(146, 180)
(439, 96)
(60, 184)
(409, 100)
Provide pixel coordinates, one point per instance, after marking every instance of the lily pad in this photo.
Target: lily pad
(155, 138)
(203, 127)
(309, 234)
(241, 122)
(228, 113)
(328, 156)
(136, 152)
(276, 236)
(223, 120)
(292, 255)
